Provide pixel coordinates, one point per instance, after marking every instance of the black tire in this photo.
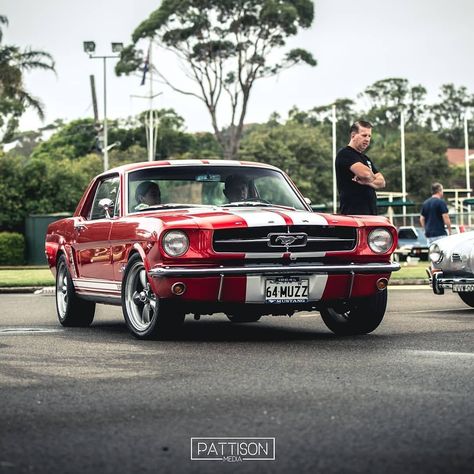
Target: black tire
(72, 311)
(357, 316)
(147, 316)
(467, 297)
(243, 318)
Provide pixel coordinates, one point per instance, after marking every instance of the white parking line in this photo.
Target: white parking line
(442, 353)
(428, 311)
(10, 331)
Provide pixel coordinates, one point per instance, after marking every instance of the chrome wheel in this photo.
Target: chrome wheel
(72, 310)
(61, 290)
(140, 301)
(147, 316)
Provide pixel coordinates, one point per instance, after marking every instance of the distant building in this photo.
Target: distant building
(456, 156)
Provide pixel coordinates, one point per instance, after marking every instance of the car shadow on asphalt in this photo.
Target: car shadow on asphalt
(219, 330)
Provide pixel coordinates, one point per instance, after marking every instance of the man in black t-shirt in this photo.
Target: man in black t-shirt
(357, 177)
(434, 215)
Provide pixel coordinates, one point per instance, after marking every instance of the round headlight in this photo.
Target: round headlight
(436, 254)
(380, 240)
(175, 243)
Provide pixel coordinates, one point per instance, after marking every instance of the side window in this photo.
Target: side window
(108, 188)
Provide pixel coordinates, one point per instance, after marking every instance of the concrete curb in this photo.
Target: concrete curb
(20, 289)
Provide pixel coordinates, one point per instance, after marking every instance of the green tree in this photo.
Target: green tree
(32, 186)
(72, 140)
(15, 99)
(447, 114)
(303, 151)
(388, 97)
(321, 116)
(425, 163)
(226, 45)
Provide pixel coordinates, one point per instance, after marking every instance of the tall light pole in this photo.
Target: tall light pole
(89, 48)
(402, 150)
(466, 154)
(334, 183)
(468, 172)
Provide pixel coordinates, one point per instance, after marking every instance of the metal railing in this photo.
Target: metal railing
(461, 219)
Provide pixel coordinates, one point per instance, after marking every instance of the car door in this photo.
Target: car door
(92, 233)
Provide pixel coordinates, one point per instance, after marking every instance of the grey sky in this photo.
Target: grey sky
(429, 42)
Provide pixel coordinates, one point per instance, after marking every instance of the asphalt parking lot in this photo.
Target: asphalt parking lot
(97, 400)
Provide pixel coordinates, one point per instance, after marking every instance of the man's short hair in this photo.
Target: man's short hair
(359, 123)
(143, 188)
(235, 179)
(436, 188)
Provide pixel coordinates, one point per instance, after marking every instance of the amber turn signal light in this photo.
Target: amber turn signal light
(381, 284)
(178, 288)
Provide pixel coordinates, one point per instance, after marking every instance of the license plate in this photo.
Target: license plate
(287, 290)
(463, 287)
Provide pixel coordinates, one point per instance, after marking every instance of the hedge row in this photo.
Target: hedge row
(12, 248)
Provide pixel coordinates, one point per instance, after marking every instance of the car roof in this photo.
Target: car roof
(156, 164)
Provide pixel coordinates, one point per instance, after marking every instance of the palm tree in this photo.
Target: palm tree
(14, 98)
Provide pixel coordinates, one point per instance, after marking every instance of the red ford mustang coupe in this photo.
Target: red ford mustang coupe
(165, 239)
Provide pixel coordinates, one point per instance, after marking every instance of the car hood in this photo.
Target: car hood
(217, 217)
(458, 253)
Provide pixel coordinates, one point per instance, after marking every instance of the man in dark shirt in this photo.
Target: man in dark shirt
(356, 175)
(434, 215)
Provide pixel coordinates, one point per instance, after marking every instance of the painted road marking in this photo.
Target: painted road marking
(9, 331)
(442, 353)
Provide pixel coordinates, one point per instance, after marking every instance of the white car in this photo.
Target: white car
(452, 266)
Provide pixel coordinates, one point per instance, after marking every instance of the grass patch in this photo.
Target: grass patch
(411, 271)
(13, 277)
(42, 276)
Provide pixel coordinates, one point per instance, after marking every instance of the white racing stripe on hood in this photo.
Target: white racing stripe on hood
(258, 218)
(303, 217)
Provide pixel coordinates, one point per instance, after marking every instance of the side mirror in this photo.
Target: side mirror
(107, 205)
(307, 201)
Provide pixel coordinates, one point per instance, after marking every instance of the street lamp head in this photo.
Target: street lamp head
(89, 46)
(117, 47)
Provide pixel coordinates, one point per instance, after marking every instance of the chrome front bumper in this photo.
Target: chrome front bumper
(291, 269)
(457, 284)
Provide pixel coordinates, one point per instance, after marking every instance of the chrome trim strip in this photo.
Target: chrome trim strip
(444, 282)
(351, 285)
(266, 239)
(275, 270)
(221, 282)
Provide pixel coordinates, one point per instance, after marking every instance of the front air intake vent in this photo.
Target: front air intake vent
(295, 239)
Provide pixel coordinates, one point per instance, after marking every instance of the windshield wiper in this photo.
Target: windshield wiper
(256, 204)
(172, 205)
(248, 203)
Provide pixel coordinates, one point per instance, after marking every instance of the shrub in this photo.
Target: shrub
(12, 248)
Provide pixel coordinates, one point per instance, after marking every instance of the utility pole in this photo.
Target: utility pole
(89, 48)
(151, 125)
(94, 99)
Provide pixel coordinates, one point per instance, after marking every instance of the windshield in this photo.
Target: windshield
(209, 185)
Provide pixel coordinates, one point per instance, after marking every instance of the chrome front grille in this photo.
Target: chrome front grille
(295, 239)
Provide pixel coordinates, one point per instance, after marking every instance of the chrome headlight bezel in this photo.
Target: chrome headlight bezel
(435, 254)
(175, 243)
(380, 240)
